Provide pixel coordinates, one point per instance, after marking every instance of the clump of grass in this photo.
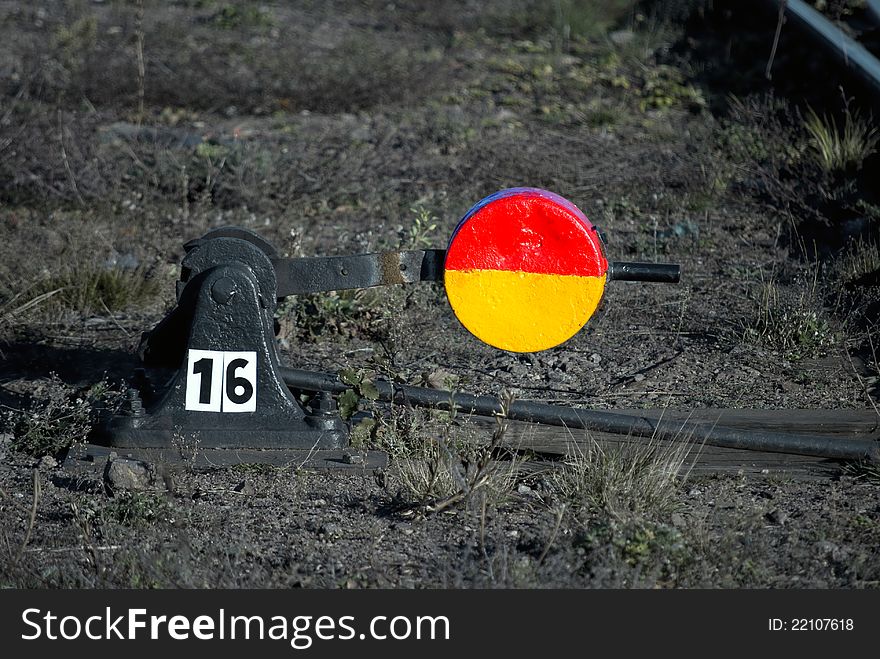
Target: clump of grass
(578, 19)
(792, 323)
(439, 463)
(561, 21)
(350, 312)
(860, 262)
(133, 509)
(656, 549)
(92, 288)
(136, 509)
(19, 305)
(232, 16)
(864, 470)
(627, 482)
(759, 139)
(664, 87)
(56, 421)
(343, 313)
(836, 150)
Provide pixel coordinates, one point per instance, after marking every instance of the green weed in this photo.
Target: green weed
(643, 544)
(233, 16)
(420, 234)
(664, 87)
(361, 387)
(793, 323)
(53, 423)
(133, 509)
(136, 509)
(333, 313)
(72, 41)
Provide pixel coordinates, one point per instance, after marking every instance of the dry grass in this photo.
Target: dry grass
(17, 307)
(439, 462)
(95, 289)
(859, 262)
(631, 481)
(839, 150)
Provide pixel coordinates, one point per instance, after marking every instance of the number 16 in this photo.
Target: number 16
(221, 381)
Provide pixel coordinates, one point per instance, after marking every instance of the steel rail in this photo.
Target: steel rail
(844, 48)
(598, 420)
(874, 9)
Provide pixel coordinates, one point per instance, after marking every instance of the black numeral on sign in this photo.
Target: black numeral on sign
(221, 381)
(238, 389)
(203, 368)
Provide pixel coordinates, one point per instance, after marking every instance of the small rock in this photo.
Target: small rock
(329, 529)
(504, 114)
(47, 463)
(127, 261)
(522, 488)
(638, 377)
(513, 533)
(351, 458)
(362, 133)
(319, 502)
(595, 358)
(836, 553)
(126, 474)
(777, 517)
(825, 548)
(694, 492)
(245, 487)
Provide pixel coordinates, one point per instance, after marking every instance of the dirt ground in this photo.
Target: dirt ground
(128, 128)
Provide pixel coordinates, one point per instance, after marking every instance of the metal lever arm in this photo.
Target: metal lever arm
(317, 274)
(336, 273)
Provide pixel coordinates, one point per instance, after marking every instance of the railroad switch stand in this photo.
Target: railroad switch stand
(212, 390)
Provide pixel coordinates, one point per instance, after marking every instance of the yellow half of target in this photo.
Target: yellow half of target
(522, 311)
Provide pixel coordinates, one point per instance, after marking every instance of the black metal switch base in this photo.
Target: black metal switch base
(226, 392)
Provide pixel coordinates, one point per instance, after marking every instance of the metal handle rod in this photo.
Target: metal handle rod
(664, 273)
(600, 421)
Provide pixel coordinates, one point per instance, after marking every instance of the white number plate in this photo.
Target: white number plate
(221, 381)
